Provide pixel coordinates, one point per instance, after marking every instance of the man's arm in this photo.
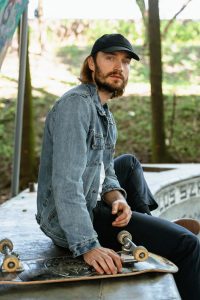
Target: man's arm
(71, 121)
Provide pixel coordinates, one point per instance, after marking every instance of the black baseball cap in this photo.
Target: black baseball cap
(113, 42)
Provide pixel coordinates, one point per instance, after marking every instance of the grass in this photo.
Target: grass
(133, 118)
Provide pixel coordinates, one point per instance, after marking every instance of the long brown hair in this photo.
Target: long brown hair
(86, 73)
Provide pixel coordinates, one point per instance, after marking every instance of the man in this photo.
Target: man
(78, 147)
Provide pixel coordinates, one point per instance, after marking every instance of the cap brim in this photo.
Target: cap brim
(118, 48)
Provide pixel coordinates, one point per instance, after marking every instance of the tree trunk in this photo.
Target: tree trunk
(28, 159)
(158, 134)
(144, 13)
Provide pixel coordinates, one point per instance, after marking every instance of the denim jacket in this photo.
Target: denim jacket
(79, 134)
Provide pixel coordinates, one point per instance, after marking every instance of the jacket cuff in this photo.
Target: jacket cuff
(82, 248)
(113, 188)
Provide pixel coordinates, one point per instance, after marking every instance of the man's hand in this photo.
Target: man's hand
(119, 207)
(104, 260)
(123, 211)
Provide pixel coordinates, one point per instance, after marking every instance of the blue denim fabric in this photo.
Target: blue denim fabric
(79, 134)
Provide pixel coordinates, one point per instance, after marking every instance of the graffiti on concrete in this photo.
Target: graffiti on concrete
(178, 193)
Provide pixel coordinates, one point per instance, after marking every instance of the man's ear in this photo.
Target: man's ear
(91, 64)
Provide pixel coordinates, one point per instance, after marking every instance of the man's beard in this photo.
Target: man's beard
(100, 80)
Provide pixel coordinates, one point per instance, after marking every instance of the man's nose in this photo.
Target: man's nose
(118, 65)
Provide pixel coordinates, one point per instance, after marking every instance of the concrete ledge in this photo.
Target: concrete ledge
(176, 188)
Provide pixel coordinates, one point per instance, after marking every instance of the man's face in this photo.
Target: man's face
(111, 71)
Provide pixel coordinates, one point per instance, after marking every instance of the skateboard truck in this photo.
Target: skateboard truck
(139, 253)
(11, 262)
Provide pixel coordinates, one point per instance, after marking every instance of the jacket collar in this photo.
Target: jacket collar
(102, 109)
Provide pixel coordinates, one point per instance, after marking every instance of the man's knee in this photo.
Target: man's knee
(194, 243)
(189, 245)
(130, 161)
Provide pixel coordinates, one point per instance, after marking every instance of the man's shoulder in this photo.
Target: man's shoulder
(81, 91)
(80, 97)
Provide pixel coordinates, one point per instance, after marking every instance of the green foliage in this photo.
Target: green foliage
(98, 28)
(134, 125)
(69, 55)
(185, 126)
(182, 31)
(7, 116)
(133, 118)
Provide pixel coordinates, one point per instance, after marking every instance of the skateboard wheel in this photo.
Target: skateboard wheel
(10, 264)
(123, 234)
(5, 243)
(140, 253)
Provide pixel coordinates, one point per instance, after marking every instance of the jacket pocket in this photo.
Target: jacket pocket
(97, 142)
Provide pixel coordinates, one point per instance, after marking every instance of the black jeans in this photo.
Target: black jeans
(130, 175)
(157, 235)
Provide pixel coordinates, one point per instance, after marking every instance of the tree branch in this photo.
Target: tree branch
(174, 17)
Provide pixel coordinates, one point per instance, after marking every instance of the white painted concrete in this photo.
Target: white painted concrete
(176, 189)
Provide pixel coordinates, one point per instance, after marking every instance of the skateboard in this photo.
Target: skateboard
(136, 260)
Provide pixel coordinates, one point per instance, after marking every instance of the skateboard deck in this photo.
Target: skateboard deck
(68, 269)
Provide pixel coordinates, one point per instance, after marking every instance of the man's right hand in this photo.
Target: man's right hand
(104, 260)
